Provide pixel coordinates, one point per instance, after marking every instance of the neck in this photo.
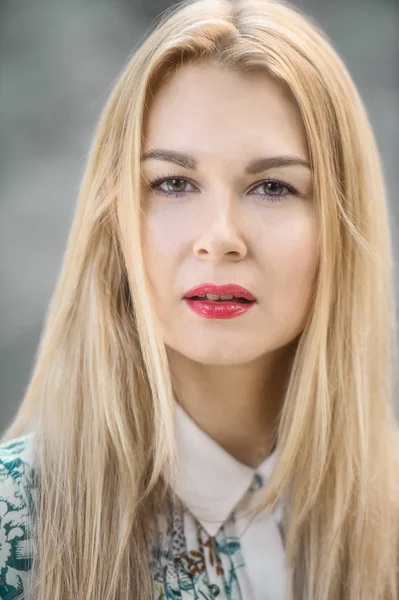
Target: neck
(236, 405)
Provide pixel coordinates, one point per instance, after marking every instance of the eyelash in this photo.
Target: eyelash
(154, 185)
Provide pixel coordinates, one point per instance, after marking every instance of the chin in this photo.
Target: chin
(226, 356)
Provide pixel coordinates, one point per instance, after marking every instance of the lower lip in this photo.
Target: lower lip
(211, 309)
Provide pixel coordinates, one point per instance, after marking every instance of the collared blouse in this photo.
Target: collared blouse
(207, 547)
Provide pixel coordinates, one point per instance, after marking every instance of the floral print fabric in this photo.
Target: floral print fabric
(17, 489)
(186, 561)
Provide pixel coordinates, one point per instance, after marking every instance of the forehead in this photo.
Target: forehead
(208, 108)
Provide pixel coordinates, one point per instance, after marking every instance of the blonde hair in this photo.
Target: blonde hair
(101, 394)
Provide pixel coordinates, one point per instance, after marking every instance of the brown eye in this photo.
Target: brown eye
(273, 187)
(172, 186)
(175, 185)
(273, 190)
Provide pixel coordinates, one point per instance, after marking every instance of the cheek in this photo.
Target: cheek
(163, 243)
(291, 253)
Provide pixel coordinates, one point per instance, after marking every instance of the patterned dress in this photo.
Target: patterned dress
(205, 548)
(17, 495)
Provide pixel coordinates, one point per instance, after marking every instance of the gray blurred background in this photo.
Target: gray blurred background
(58, 62)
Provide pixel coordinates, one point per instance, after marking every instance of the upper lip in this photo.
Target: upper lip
(227, 288)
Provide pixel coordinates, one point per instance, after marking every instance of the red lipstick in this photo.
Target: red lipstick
(209, 300)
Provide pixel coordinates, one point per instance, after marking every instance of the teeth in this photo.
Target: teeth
(212, 296)
(217, 297)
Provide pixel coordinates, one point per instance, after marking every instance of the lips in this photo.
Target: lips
(220, 290)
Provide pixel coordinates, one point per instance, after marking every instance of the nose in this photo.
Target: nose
(221, 236)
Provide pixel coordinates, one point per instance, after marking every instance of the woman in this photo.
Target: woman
(211, 410)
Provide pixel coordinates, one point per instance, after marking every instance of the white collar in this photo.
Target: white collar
(209, 481)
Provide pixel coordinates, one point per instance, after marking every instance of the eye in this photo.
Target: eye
(175, 185)
(273, 189)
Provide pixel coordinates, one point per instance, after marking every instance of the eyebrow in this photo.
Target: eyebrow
(255, 166)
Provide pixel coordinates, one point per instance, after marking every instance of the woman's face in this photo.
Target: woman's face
(215, 216)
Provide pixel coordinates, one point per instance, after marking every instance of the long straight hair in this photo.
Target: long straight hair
(101, 395)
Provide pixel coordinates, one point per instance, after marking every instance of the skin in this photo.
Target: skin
(229, 375)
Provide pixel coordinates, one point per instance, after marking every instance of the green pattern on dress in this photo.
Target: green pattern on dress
(191, 573)
(206, 570)
(17, 485)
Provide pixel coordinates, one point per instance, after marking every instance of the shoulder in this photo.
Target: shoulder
(18, 483)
